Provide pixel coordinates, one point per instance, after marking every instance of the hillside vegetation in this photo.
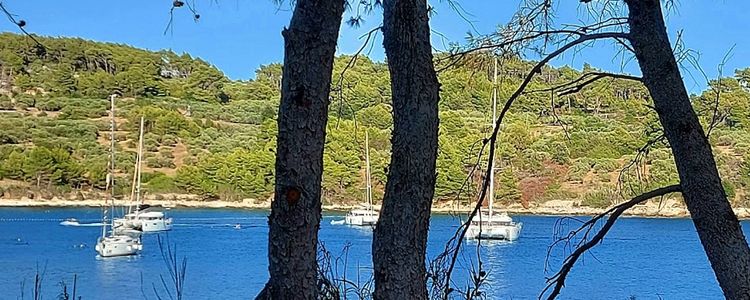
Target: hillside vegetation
(214, 137)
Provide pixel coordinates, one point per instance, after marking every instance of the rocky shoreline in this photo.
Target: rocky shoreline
(670, 209)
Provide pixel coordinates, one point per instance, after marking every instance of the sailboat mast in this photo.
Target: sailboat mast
(367, 171)
(131, 200)
(494, 118)
(113, 142)
(138, 166)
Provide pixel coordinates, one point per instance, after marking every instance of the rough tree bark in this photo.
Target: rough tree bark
(309, 47)
(400, 238)
(716, 224)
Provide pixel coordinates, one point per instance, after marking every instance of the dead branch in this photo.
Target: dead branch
(453, 58)
(579, 83)
(717, 117)
(21, 24)
(556, 117)
(606, 23)
(557, 281)
(338, 89)
(538, 68)
(177, 4)
(641, 153)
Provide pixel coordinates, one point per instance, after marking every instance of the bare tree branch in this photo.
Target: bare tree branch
(338, 89)
(487, 45)
(641, 153)
(579, 83)
(177, 4)
(557, 281)
(20, 23)
(716, 117)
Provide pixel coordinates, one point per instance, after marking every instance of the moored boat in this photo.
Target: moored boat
(141, 217)
(112, 243)
(491, 224)
(365, 214)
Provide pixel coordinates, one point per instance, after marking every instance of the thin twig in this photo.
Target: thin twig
(579, 83)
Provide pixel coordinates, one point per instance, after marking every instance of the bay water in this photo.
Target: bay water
(641, 258)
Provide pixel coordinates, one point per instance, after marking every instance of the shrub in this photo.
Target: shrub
(168, 140)
(49, 105)
(578, 170)
(161, 183)
(166, 152)
(605, 165)
(599, 198)
(5, 103)
(159, 162)
(26, 101)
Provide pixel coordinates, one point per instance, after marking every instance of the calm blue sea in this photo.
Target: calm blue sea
(641, 258)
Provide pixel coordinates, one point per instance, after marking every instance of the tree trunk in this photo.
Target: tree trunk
(716, 224)
(400, 238)
(309, 47)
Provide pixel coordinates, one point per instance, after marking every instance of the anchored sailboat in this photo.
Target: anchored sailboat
(365, 215)
(491, 224)
(110, 243)
(141, 217)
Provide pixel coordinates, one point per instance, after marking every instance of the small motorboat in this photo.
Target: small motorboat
(237, 226)
(70, 222)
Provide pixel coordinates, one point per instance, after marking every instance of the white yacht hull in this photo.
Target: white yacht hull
(361, 220)
(113, 246)
(495, 232)
(156, 225)
(144, 223)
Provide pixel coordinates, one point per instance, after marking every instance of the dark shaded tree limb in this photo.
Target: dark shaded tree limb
(400, 237)
(715, 222)
(309, 48)
(557, 281)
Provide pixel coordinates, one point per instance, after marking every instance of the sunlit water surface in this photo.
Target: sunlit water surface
(641, 258)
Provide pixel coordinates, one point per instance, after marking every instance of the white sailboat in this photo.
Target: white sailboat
(491, 224)
(365, 214)
(142, 217)
(113, 244)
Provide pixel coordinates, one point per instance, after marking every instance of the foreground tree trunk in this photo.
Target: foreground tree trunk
(716, 224)
(309, 46)
(400, 237)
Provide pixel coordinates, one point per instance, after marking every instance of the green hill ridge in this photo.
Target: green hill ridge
(214, 137)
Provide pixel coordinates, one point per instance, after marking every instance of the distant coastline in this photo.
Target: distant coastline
(552, 208)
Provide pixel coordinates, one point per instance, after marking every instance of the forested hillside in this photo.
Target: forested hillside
(214, 137)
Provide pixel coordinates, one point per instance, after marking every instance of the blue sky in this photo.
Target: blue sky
(239, 35)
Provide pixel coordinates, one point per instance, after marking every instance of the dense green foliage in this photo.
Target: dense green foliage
(214, 137)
